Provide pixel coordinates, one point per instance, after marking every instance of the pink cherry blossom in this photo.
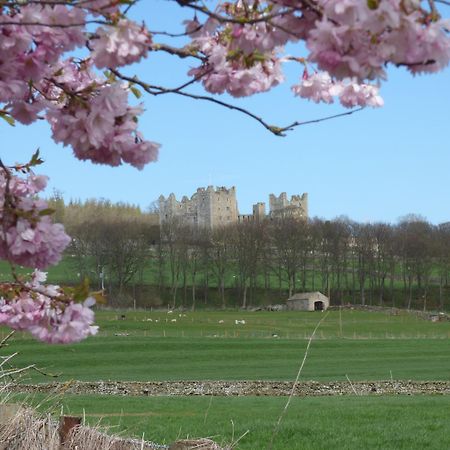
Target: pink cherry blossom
(353, 94)
(120, 45)
(317, 87)
(28, 237)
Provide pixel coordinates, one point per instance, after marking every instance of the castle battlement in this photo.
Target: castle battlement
(211, 207)
(296, 207)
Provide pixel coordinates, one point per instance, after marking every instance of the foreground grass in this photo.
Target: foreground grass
(198, 346)
(211, 346)
(399, 422)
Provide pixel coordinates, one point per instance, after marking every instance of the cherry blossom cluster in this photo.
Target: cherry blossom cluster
(27, 235)
(29, 238)
(39, 79)
(239, 59)
(101, 127)
(320, 87)
(46, 312)
(349, 41)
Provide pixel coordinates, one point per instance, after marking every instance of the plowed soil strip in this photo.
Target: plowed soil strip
(239, 388)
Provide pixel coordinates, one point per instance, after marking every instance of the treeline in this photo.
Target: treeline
(405, 264)
(111, 242)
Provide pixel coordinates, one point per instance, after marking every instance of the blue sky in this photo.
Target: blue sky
(375, 165)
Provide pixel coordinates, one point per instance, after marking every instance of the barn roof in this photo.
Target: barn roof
(306, 295)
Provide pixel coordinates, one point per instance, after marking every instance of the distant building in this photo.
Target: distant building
(212, 207)
(297, 207)
(207, 208)
(308, 301)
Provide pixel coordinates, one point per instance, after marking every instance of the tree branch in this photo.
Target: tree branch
(184, 52)
(276, 130)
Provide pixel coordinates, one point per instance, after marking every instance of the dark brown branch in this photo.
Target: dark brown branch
(54, 25)
(176, 35)
(160, 90)
(276, 130)
(322, 119)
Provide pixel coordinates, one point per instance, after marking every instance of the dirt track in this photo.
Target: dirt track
(241, 388)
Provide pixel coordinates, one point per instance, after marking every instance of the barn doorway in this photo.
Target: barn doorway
(318, 306)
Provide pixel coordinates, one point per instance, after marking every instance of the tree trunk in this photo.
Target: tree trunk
(222, 292)
(244, 296)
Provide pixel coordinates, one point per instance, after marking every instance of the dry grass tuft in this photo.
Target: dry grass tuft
(195, 444)
(22, 428)
(26, 430)
(83, 437)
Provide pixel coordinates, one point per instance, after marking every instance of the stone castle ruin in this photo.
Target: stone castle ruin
(296, 207)
(215, 207)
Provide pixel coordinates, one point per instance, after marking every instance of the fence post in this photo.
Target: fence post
(66, 425)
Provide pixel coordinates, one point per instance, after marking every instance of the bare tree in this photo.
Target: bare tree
(247, 239)
(220, 253)
(289, 240)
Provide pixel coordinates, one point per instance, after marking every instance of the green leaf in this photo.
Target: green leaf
(136, 92)
(8, 118)
(81, 292)
(46, 212)
(36, 160)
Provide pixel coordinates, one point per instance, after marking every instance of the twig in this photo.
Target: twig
(53, 25)
(322, 119)
(241, 20)
(207, 410)
(6, 339)
(235, 442)
(353, 387)
(286, 406)
(6, 359)
(17, 371)
(184, 52)
(276, 130)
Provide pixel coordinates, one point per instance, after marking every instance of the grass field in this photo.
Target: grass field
(310, 423)
(373, 346)
(210, 346)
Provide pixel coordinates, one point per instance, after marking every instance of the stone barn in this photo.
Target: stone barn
(308, 301)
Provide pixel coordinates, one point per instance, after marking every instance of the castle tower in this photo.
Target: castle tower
(297, 207)
(259, 211)
(207, 208)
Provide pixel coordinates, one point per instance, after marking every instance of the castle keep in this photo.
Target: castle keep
(214, 207)
(207, 208)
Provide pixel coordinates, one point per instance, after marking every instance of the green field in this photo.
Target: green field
(158, 346)
(389, 422)
(373, 346)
